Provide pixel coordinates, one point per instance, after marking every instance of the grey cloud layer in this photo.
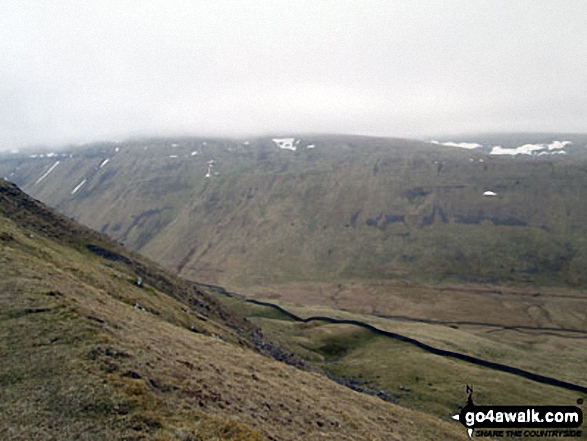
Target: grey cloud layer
(74, 71)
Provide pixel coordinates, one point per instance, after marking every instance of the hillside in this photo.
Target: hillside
(247, 213)
(88, 352)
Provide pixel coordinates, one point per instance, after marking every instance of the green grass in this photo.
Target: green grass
(408, 375)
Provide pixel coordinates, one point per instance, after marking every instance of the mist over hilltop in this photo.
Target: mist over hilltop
(103, 70)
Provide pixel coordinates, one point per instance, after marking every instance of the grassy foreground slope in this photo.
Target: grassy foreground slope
(86, 353)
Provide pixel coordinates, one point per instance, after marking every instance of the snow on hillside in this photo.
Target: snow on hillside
(285, 143)
(463, 145)
(47, 172)
(74, 191)
(555, 147)
(530, 149)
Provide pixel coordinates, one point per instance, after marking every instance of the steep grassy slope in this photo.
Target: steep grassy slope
(348, 208)
(87, 353)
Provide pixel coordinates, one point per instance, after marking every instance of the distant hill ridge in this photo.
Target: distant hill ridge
(326, 208)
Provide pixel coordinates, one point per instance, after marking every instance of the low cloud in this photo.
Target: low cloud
(74, 72)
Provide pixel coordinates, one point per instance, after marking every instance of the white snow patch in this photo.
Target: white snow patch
(50, 155)
(489, 193)
(194, 153)
(285, 143)
(462, 145)
(499, 150)
(481, 160)
(74, 191)
(209, 172)
(47, 172)
(559, 152)
(174, 145)
(173, 156)
(104, 162)
(557, 145)
(117, 149)
(526, 149)
(311, 146)
(529, 149)
(33, 156)
(247, 143)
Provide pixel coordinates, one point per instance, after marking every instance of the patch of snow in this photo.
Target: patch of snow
(209, 172)
(204, 143)
(559, 152)
(173, 156)
(47, 172)
(194, 153)
(481, 160)
(462, 145)
(311, 146)
(33, 156)
(74, 191)
(471, 160)
(106, 161)
(50, 155)
(489, 193)
(247, 143)
(526, 149)
(557, 145)
(530, 149)
(117, 149)
(174, 145)
(499, 150)
(285, 143)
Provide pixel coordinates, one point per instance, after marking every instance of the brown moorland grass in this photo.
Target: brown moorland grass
(88, 354)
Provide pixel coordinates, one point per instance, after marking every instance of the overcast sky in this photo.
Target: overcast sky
(76, 71)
